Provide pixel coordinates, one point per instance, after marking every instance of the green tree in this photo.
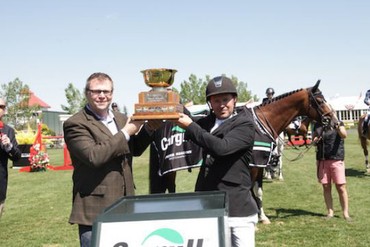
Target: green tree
(194, 90)
(17, 95)
(76, 100)
(244, 94)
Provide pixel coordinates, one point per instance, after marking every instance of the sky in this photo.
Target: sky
(286, 44)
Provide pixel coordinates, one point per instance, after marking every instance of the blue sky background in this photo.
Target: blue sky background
(285, 44)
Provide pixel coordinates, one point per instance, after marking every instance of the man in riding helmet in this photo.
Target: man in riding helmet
(114, 106)
(269, 94)
(227, 140)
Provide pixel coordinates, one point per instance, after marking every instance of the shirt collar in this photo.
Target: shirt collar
(109, 117)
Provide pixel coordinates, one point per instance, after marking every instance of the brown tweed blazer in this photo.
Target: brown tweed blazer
(102, 163)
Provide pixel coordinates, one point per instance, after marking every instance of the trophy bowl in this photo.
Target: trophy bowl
(160, 102)
(159, 78)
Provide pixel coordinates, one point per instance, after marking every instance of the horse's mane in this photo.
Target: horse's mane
(280, 97)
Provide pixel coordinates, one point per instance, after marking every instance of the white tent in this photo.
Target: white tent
(348, 103)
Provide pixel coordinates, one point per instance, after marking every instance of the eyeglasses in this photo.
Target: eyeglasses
(2, 107)
(98, 92)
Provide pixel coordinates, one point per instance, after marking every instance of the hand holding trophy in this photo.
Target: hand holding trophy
(160, 102)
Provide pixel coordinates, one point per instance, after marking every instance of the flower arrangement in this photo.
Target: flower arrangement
(25, 137)
(39, 160)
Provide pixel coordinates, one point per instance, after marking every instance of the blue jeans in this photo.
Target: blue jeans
(85, 233)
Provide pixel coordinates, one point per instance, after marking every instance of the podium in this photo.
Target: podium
(196, 219)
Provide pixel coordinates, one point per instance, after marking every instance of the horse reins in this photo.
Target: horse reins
(274, 134)
(300, 154)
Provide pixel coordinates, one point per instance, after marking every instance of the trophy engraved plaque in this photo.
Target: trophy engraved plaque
(160, 102)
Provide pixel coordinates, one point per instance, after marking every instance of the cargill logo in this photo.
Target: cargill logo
(177, 138)
(172, 237)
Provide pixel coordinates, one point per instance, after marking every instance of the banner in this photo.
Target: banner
(172, 152)
(37, 144)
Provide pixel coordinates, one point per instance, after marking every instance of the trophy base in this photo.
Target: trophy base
(164, 111)
(156, 117)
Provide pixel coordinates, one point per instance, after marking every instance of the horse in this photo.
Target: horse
(301, 131)
(308, 102)
(364, 140)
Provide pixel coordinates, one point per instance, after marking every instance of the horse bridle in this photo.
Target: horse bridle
(325, 116)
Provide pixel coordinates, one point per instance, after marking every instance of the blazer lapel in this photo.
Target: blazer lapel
(224, 125)
(91, 118)
(120, 120)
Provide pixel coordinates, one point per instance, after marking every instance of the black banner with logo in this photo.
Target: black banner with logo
(172, 152)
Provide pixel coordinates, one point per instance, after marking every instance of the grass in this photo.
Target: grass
(38, 204)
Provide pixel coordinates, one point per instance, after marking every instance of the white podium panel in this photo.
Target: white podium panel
(166, 220)
(177, 232)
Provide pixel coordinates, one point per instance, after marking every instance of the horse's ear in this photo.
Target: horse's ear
(316, 86)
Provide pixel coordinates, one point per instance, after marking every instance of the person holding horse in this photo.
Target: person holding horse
(330, 165)
(227, 140)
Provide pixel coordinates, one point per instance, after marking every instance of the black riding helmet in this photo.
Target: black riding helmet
(220, 85)
(270, 90)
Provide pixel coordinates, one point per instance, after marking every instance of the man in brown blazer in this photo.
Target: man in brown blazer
(101, 145)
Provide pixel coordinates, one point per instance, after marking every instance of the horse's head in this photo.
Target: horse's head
(319, 109)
